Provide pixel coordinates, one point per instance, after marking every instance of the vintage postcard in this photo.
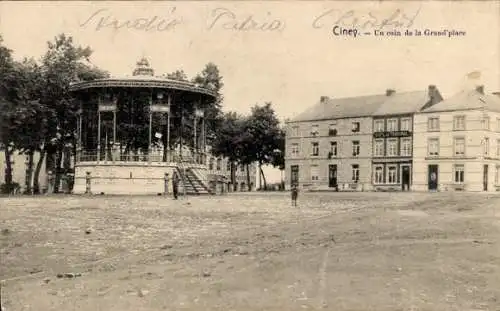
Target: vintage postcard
(249, 155)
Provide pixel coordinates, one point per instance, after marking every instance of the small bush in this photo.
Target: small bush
(11, 188)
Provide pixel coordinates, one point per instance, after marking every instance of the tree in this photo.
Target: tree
(179, 75)
(264, 136)
(211, 79)
(228, 141)
(62, 63)
(31, 115)
(6, 108)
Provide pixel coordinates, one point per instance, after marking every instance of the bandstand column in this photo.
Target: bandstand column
(115, 144)
(169, 101)
(203, 150)
(105, 107)
(99, 135)
(80, 126)
(150, 126)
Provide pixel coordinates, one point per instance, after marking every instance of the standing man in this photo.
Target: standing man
(175, 184)
(295, 194)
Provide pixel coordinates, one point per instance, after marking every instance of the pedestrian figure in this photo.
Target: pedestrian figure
(175, 184)
(295, 194)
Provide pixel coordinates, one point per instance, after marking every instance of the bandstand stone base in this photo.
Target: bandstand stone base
(136, 178)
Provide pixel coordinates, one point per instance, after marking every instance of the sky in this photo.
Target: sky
(292, 61)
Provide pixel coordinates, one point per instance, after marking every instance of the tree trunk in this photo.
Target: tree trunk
(263, 176)
(249, 182)
(36, 182)
(8, 169)
(57, 169)
(29, 173)
(233, 176)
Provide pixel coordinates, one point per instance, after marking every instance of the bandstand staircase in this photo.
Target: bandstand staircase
(192, 180)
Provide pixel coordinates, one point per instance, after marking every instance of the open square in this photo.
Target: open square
(336, 251)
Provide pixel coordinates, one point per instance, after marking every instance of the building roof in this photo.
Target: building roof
(329, 108)
(403, 103)
(363, 106)
(467, 100)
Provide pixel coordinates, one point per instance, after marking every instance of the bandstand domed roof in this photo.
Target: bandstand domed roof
(142, 77)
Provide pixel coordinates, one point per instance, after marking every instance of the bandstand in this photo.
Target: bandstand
(133, 132)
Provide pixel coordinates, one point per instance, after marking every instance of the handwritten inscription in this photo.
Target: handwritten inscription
(223, 18)
(103, 19)
(352, 19)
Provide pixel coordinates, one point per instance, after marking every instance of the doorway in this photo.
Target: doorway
(294, 175)
(405, 177)
(433, 176)
(485, 177)
(332, 175)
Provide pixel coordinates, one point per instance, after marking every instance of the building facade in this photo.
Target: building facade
(359, 143)
(329, 147)
(457, 144)
(392, 158)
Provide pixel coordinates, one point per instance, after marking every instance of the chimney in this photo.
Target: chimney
(432, 93)
(389, 92)
(480, 89)
(324, 99)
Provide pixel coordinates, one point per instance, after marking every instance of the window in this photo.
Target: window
(433, 124)
(314, 130)
(315, 149)
(486, 123)
(355, 173)
(433, 146)
(406, 124)
(459, 123)
(392, 147)
(242, 167)
(392, 125)
(379, 125)
(458, 173)
(333, 148)
(379, 148)
(295, 131)
(332, 130)
(314, 172)
(392, 174)
(219, 162)
(228, 166)
(211, 164)
(459, 146)
(355, 148)
(295, 150)
(498, 148)
(486, 146)
(355, 126)
(406, 147)
(378, 177)
(497, 175)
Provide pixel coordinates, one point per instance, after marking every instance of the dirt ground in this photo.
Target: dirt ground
(337, 251)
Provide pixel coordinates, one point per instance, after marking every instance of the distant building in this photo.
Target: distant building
(331, 145)
(457, 143)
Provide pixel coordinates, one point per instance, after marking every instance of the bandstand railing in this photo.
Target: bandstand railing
(114, 156)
